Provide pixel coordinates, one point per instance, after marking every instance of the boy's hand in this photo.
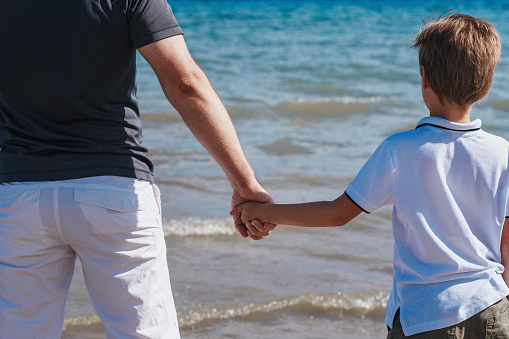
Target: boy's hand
(246, 211)
(249, 214)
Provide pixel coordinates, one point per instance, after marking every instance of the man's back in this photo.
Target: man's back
(67, 87)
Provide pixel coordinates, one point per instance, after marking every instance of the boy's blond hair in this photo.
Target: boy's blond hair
(459, 54)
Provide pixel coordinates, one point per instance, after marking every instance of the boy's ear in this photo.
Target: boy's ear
(424, 81)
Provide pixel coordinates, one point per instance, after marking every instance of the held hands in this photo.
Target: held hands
(250, 215)
(254, 229)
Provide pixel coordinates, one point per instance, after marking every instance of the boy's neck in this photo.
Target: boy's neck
(451, 112)
(446, 110)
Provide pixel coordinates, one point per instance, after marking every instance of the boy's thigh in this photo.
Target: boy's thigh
(494, 321)
(491, 323)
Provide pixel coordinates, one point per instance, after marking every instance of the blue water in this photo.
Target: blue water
(303, 77)
(312, 87)
(267, 52)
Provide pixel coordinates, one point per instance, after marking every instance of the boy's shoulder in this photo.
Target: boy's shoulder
(430, 125)
(433, 130)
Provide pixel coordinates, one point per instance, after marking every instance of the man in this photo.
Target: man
(76, 180)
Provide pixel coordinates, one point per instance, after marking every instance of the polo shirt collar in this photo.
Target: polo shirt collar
(474, 125)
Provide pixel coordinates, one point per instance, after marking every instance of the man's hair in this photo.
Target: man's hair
(459, 54)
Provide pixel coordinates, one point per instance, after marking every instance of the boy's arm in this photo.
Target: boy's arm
(312, 214)
(504, 249)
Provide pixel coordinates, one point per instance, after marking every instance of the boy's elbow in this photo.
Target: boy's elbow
(340, 221)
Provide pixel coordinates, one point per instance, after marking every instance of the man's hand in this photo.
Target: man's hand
(254, 228)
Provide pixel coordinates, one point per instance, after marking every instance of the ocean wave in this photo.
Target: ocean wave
(159, 117)
(501, 104)
(359, 303)
(283, 146)
(199, 227)
(315, 305)
(327, 107)
(344, 99)
(85, 320)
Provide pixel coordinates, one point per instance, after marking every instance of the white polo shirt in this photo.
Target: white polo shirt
(449, 184)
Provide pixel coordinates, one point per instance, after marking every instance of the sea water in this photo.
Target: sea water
(312, 87)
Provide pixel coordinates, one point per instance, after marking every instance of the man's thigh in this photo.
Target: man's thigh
(36, 265)
(119, 239)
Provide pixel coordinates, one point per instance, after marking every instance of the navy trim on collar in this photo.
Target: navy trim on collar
(449, 129)
(472, 126)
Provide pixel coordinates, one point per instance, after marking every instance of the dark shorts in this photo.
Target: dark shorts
(490, 323)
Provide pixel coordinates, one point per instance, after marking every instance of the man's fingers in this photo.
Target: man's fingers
(255, 237)
(242, 230)
(239, 226)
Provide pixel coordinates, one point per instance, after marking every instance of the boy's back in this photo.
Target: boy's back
(449, 184)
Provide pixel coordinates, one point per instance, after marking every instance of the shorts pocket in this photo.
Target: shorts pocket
(11, 200)
(497, 326)
(114, 201)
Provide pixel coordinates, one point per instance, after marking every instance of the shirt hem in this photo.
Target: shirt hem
(355, 198)
(356, 204)
(162, 34)
(69, 174)
(446, 322)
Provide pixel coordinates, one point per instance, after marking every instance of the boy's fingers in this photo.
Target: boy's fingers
(254, 234)
(255, 229)
(269, 226)
(258, 225)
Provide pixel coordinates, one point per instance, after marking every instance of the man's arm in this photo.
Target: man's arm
(189, 91)
(310, 214)
(504, 249)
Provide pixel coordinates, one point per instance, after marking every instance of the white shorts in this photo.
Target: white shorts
(113, 225)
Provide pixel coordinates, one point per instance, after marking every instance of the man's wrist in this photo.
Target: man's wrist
(245, 183)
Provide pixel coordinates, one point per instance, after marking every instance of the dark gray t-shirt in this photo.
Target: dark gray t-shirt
(68, 106)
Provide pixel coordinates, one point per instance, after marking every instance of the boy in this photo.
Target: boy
(448, 181)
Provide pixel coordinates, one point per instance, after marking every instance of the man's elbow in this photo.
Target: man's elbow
(190, 85)
(187, 83)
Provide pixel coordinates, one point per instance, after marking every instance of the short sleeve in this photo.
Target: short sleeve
(507, 208)
(150, 21)
(507, 198)
(374, 185)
